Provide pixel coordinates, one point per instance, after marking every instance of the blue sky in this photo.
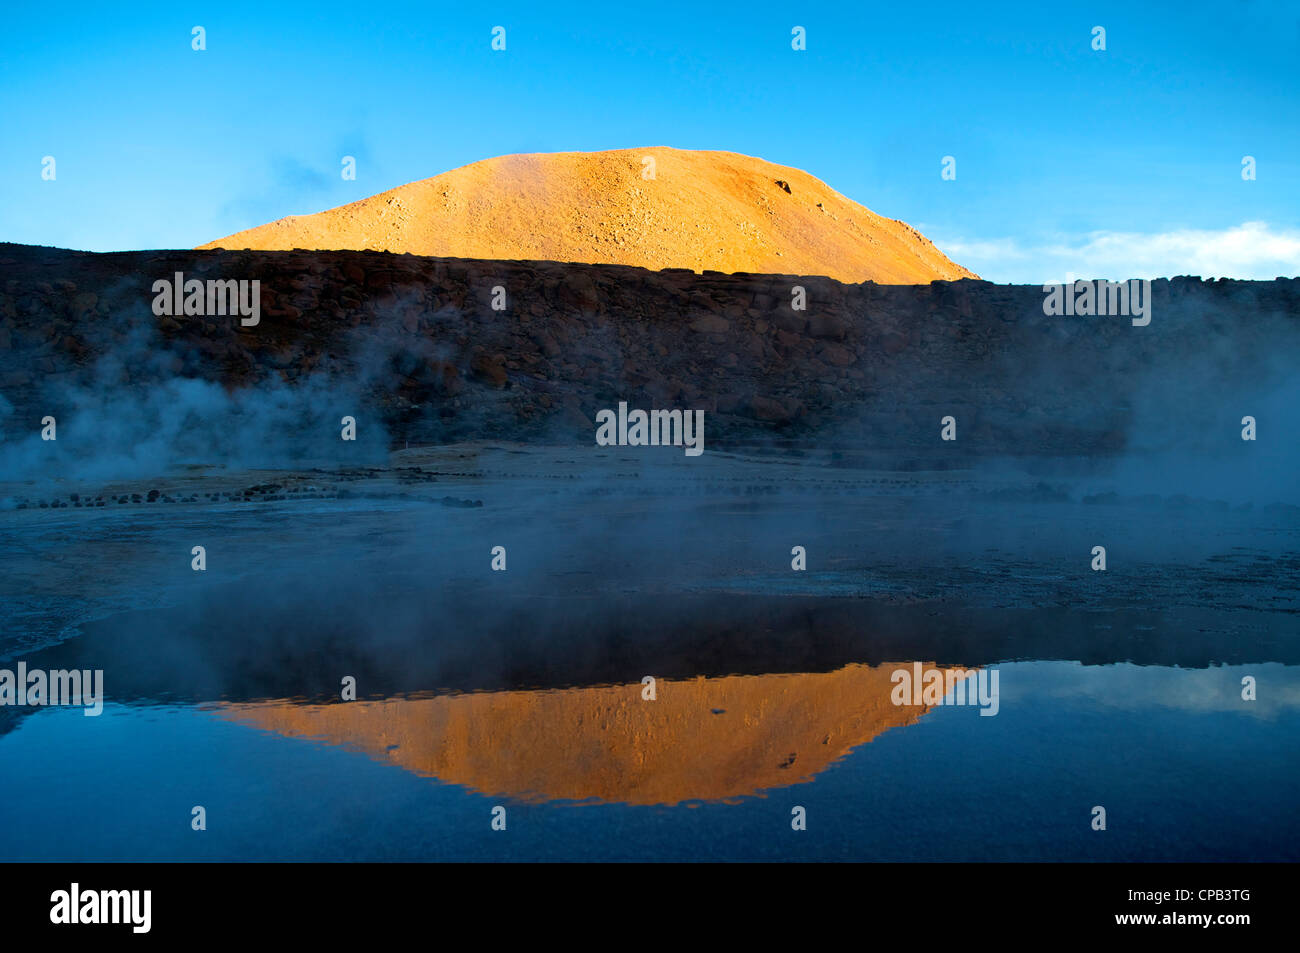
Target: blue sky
(1070, 162)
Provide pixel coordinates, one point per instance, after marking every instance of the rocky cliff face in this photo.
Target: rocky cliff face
(414, 345)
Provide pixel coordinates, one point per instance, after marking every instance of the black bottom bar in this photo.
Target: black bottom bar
(364, 901)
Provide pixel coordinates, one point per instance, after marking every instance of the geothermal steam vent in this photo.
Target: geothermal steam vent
(654, 208)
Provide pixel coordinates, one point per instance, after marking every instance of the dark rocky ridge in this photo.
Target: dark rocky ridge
(866, 369)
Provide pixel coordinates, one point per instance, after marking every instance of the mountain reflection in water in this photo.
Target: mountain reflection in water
(700, 739)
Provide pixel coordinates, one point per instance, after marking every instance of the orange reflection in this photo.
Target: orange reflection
(700, 739)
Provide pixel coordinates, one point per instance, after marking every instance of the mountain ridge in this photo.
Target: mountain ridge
(655, 208)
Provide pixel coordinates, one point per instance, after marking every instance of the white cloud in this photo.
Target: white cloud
(1124, 685)
(1252, 250)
